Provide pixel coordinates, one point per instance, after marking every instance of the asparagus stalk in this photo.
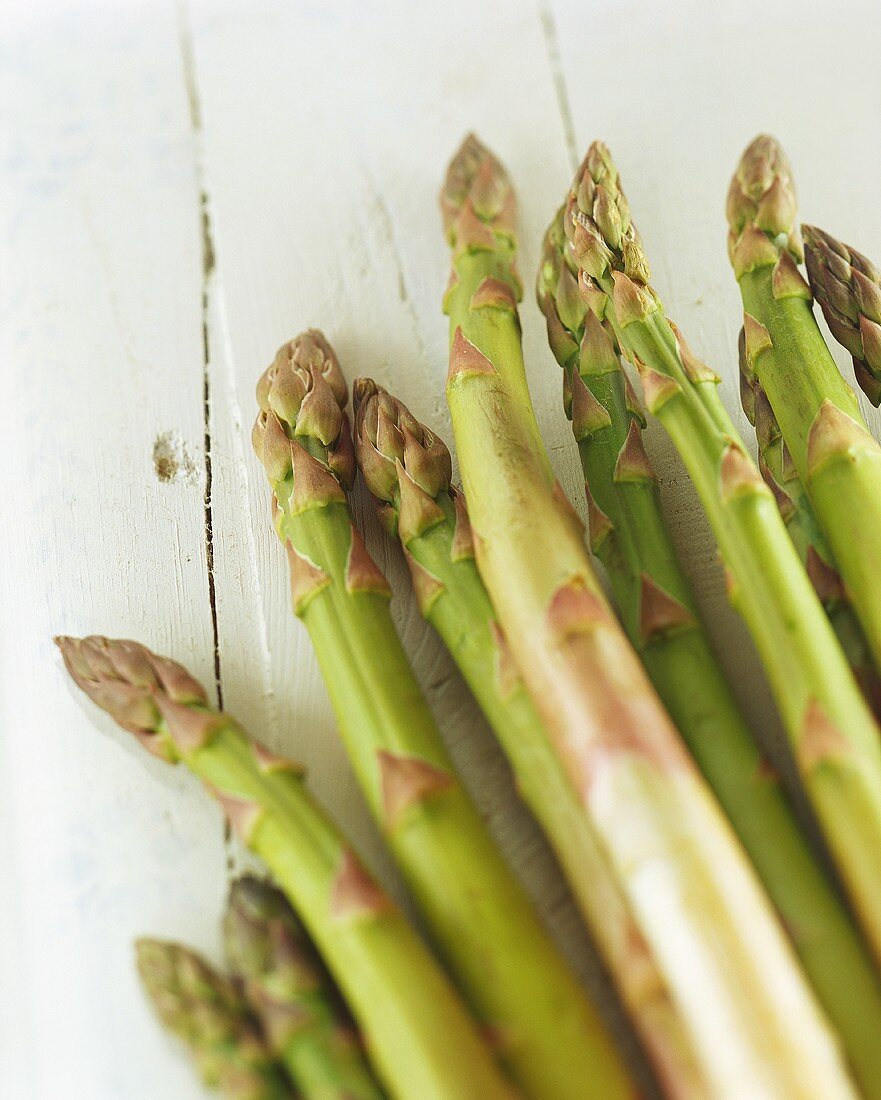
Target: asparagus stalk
(403, 462)
(776, 467)
(820, 420)
(848, 287)
(421, 1040)
(548, 1034)
(833, 736)
(306, 1023)
(204, 1009)
(754, 1024)
(658, 610)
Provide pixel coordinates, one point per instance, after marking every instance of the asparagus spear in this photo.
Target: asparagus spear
(819, 417)
(306, 1023)
(834, 739)
(776, 467)
(754, 1024)
(548, 1034)
(848, 287)
(205, 1010)
(420, 1038)
(659, 613)
(403, 461)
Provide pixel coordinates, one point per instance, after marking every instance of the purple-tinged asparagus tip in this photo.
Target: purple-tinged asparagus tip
(393, 449)
(762, 197)
(302, 395)
(152, 697)
(477, 199)
(133, 685)
(848, 287)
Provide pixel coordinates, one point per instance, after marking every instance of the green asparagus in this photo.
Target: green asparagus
(776, 467)
(205, 1010)
(421, 1040)
(657, 606)
(285, 982)
(848, 287)
(404, 465)
(547, 1033)
(820, 420)
(754, 1024)
(834, 738)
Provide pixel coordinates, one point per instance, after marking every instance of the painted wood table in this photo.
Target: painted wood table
(183, 188)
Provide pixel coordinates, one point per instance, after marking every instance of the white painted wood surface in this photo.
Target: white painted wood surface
(317, 133)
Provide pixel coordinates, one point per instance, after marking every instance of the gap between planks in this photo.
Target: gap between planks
(188, 63)
(561, 91)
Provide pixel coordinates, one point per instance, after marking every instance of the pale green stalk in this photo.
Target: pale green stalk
(778, 470)
(421, 1040)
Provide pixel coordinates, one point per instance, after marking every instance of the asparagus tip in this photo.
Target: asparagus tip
(397, 454)
(848, 287)
(477, 198)
(303, 394)
(205, 1009)
(129, 682)
(762, 195)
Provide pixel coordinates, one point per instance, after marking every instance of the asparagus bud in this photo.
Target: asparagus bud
(422, 1041)
(848, 287)
(306, 1021)
(301, 427)
(205, 1010)
(386, 427)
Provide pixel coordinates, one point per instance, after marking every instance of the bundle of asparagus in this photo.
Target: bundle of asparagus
(820, 421)
(547, 1032)
(753, 1023)
(404, 465)
(740, 967)
(833, 735)
(654, 597)
(420, 1038)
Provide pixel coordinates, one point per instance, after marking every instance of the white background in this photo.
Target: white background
(318, 133)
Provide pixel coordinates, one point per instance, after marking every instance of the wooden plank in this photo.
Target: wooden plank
(102, 415)
(319, 134)
(326, 131)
